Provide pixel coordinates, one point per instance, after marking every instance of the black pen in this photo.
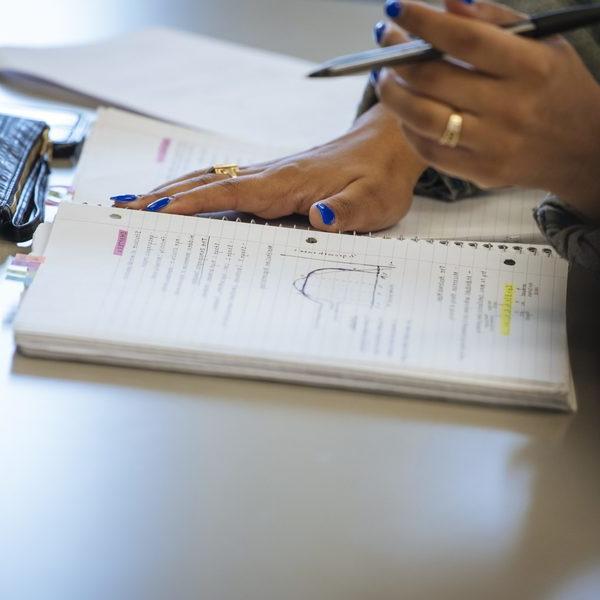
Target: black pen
(537, 26)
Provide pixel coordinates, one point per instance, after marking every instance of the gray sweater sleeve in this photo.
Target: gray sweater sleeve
(571, 235)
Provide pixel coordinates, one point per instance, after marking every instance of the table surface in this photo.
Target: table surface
(131, 484)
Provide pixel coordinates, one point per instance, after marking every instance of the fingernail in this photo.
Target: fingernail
(468, 1)
(378, 31)
(327, 215)
(393, 8)
(124, 198)
(158, 204)
(374, 77)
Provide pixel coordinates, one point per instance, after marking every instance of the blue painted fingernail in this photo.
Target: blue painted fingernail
(158, 204)
(468, 1)
(378, 31)
(124, 198)
(327, 215)
(374, 77)
(393, 8)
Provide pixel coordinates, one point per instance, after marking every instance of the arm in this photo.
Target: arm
(530, 111)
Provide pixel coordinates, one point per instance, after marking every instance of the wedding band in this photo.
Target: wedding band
(232, 170)
(451, 136)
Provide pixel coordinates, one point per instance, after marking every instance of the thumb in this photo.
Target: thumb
(353, 210)
(484, 11)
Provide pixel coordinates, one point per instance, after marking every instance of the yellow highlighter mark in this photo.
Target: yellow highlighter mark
(506, 308)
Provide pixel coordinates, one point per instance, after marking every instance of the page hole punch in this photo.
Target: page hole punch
(115, 216)
(311, 240)
(510, 262)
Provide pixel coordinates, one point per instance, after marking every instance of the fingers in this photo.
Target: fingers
(174, 187)
(483, 45)
(388, 33)
(182, 178)
(358, 208)
(451, 84)
(485, 11)
(423, 115)
(178, 187)
(458, 161)
(245, 194)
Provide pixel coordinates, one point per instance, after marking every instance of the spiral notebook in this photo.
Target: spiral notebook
(456, 320)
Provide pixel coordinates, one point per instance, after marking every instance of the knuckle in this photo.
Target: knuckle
(540, 68)
(229, 189)
(289, 172)
(466, 41)
(387, 86)
(423, 116)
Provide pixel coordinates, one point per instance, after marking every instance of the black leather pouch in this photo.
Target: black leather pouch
(25, 153)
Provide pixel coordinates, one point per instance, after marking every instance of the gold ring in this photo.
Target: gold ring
(451, 135)
(232, 170)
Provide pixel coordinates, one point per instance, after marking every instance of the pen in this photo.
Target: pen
(537, 26)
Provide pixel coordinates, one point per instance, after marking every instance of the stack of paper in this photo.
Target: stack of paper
(461, 321)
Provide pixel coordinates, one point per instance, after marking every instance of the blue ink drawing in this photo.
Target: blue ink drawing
(342, 285)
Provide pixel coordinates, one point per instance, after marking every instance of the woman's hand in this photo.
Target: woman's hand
(530, 109)
(361, 181)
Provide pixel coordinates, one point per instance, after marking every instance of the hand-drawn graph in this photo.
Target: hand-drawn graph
(342, 285)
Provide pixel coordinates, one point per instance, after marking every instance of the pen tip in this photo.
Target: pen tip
(318, 73)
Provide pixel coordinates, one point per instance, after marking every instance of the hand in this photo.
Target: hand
(530, 109)
(361, 181)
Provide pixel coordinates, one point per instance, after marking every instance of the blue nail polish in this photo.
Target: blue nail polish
(393, 8)
(124, 198)
(468, 1)
(374, 77)
(158, 204)
(327, 215)
(378, 31)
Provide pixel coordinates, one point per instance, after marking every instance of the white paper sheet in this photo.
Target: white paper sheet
(259, 96)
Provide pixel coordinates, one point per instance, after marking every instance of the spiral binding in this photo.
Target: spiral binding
(505, 247)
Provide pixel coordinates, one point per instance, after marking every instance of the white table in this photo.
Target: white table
(128, 484)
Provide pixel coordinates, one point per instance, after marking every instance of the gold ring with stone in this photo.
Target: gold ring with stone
(451, 135)
(232, 170)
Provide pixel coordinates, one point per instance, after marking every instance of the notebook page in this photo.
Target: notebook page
(127, 153)
(504, 215)
(261, 97)
(373, 305)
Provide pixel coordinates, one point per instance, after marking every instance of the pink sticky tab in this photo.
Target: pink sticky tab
(163, 148)
(121, 242)
(27, 260)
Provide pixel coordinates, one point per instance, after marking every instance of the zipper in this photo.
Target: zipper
(42, 148)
